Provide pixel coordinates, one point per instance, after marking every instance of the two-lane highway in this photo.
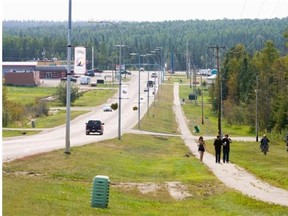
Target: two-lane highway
(54, 138)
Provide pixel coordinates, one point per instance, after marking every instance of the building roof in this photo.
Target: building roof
(31, 63)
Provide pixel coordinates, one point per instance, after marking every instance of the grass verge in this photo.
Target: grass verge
(58, 184)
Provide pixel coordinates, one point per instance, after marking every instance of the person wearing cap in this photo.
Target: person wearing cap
(226, 148)
(217, 147)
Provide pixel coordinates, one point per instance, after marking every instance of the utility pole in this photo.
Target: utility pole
(68, 91)
(256, 122)
(217, 47)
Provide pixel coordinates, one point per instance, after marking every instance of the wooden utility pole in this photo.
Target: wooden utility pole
(217, 47)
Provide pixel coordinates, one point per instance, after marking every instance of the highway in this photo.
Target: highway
(55, 138)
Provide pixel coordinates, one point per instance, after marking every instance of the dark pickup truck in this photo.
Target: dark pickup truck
(94, 126)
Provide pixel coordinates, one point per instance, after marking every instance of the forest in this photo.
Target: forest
(30, 40)
(253, 56)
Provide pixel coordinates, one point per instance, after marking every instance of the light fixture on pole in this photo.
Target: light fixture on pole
(120, 78)
(139, 91)
(152, 54)
(68, 84)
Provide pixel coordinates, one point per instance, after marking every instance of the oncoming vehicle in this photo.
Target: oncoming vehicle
(73, 79)
(107, 108)
(94, 126)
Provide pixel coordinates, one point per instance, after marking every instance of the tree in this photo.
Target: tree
(61, 92)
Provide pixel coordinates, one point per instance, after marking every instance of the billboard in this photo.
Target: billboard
(80, 60)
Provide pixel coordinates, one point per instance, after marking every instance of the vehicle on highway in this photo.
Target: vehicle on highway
(125, 72)
(85, 80)
(154, 75)
(92, 72)
(73, 79)
(97, 70)
(89, 73)
(107, 108)
(94, 126)
(150, 83)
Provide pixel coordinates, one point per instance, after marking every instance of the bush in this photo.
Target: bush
(114, 106)
(61, 92)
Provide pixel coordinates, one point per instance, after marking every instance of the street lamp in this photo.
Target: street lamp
(68, 84)
(159, 60)
(152, 55)
(162, 63)
(139, 91)
(120, 80)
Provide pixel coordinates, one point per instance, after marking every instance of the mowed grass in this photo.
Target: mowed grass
(161, 118)
(58, 184)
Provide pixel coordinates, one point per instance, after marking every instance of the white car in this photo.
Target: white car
(107, 108)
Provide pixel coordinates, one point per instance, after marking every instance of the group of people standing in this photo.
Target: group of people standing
(224, 144)
(219, 146)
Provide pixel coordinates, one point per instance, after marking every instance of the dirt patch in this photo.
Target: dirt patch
(176, 190)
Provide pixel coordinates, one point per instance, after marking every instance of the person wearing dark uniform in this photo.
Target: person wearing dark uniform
(226, 148)
(217, 147)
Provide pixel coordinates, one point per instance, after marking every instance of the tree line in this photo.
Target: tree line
(28, 40)
(254, 88)
(254, 63)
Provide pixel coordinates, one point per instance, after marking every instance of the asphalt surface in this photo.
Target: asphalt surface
(55, 138)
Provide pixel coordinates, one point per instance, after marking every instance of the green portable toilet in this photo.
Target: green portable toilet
(100, 191)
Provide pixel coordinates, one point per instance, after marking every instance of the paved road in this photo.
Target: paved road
(54, 138)
(230, 174)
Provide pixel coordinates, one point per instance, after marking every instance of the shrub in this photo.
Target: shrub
(61, 92)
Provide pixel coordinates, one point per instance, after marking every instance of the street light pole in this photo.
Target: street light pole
(68, 84)
(152, 55)
(139, 91)
(162, 62)
(120, 78)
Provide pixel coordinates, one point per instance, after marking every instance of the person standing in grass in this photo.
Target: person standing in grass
(226, 148)
(217, 147)
(201, 147)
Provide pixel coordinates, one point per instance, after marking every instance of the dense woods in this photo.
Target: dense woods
(254, 62)
(36, 40)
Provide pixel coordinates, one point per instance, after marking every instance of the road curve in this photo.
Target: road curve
(230, 174)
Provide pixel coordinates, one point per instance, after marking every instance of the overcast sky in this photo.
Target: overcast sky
(142, 10)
